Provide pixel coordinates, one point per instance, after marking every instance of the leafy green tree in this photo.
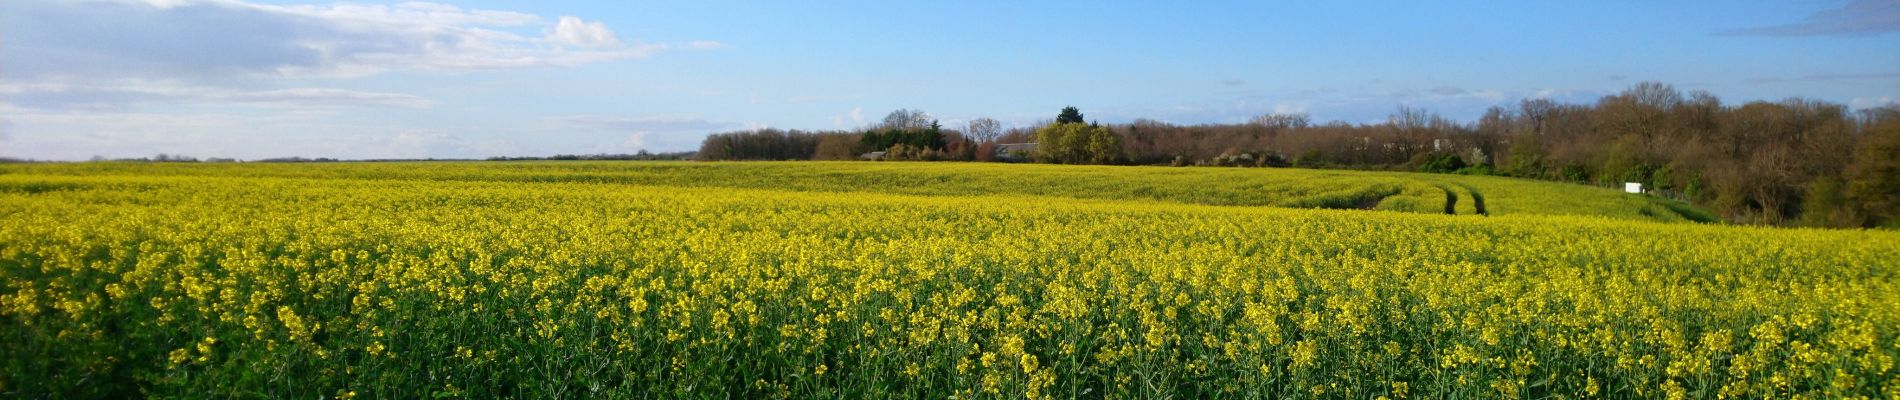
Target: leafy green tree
(1873, 180)
(1826, 205)
(1443, 163)
(1077, 143)
(1525, 157)
(1626, 161)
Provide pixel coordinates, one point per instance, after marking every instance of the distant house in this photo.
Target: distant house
(1014, 151)
(875, 155)
(1633, 187)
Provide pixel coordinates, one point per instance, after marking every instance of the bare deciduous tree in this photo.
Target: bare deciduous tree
(906, 119)
(1283, 121)
(984, 129)
(1794, 161)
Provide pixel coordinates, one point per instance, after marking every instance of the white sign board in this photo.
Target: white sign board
(1632, 187)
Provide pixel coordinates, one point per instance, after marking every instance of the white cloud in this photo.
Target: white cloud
(1868, 102)
(705, 45)
(635, 142)
(251, 79)
(412, 144)
(329, 97)
(855, 116)
(166, 4)
(219, 39)
(82, 134)
(574, 31)
(122, 93)
(62, 135)
(1550, 93)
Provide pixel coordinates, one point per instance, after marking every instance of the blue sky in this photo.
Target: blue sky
(256, 79)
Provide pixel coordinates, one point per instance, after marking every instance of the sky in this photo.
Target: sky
(252, 79)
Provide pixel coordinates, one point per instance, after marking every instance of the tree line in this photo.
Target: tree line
(1791, 162)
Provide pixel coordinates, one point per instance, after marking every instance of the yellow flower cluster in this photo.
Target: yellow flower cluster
(623, 280)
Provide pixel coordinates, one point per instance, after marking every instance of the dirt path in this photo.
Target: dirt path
(1477, 199)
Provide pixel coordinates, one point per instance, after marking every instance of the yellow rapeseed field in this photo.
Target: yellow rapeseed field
(881, 280)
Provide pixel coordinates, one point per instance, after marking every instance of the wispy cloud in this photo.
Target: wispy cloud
(72, 135)
(1826, 77)
(584, 134)
(1446, 91)
(823, 98)
(124, 93)
(1330, 104)
(248, 78)
(188, 39)
(1856, 18)
(573, 31)
(1439, 93)
(855, 116)
(1870, 102)
(641, 124)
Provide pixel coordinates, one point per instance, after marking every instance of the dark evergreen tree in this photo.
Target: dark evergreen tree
(1069, 115)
